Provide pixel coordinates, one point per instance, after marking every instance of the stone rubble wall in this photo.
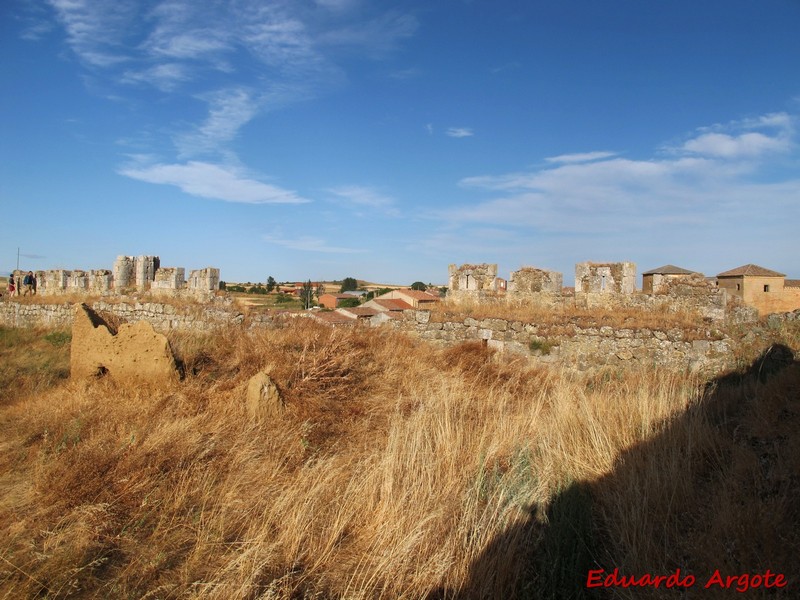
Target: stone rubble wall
(472, 281)
(567, 345)
(162, 316)
(577, 347)
(605, 278)
(530, 280)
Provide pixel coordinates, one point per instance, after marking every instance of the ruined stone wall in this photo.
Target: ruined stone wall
(124, 268)
(77, 282)
(145, 270)
(577, 347)
(471, 281)
(100, 281)
(204, 280)
(530, 280)
(605, 278)
(161, 315)
(168, 281)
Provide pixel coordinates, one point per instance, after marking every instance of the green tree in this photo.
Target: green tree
(307, 295)
(349, 303)
(349, 284)
(418, 285)
(270, 283)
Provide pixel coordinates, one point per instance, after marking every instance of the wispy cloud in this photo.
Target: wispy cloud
(212, 181)
(459, 132)
(251, 56)
(580, 157)
(365, 197)
(705, 180)
(229, 110)
(306, 243)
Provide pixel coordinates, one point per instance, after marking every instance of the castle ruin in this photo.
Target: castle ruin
(528, 281)
(605, 278)
(472, 281)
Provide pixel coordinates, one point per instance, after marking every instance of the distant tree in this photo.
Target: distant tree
(270, 283)
(349, 303)
(222, 285)
(320, 290)
(282, 298)
(443, 290)
(419, 286)
(378, 292)
(349, 284)
(307, 295)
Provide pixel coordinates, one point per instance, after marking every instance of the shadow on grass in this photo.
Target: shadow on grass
(714, 495)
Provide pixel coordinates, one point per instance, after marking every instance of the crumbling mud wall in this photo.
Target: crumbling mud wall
(133, 353)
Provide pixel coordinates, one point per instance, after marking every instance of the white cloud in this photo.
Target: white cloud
(711, 179)
(212, 181)
(580, 157)
(165, 77)
(229, 110)
(362, 196)
(728, 146)
(310, 244)
(459, 132)
(96, 29)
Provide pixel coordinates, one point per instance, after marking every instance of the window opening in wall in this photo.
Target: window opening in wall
(602, 283)
(766, 288)
(467, 280)
(738, 287)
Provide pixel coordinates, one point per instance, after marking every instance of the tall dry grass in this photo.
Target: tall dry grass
(397, 471)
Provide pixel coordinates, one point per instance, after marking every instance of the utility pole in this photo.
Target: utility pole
(17, 258)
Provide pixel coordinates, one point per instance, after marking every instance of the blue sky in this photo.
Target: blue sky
(385, 140)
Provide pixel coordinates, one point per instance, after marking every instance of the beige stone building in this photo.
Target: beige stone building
(762, 288)
(656, 281)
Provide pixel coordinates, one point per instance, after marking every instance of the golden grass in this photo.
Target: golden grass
(397, 471)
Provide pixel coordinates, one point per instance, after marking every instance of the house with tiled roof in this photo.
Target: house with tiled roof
(657, 280)
(416, 298)
(333, 301)
(760, 287)
(357, 312)
(388, 305)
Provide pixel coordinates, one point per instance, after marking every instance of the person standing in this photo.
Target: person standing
(27, 284)
(11, 288)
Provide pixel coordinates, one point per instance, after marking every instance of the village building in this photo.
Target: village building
(762, 288)
(656, 281)
(416, 298)
(332, 301)
(388, 305)
(359, 313)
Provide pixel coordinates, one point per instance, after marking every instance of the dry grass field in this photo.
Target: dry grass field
(398, 470)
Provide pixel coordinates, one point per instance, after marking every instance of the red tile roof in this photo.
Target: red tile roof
(333, 318)
(751, 271)
(391, 304)
(668, 270)
(419, 295)
(359, 311)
